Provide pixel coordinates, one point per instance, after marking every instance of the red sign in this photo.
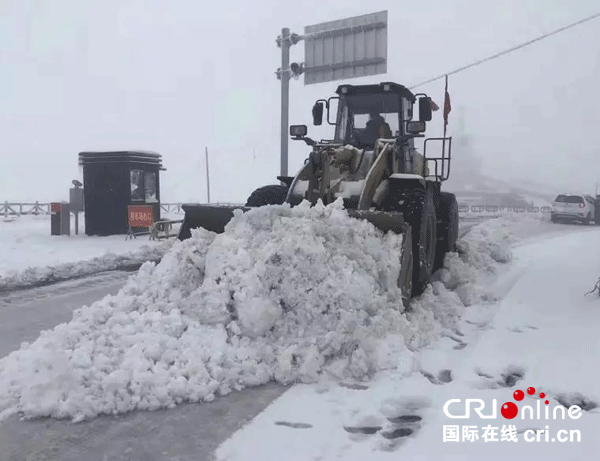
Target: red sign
(141, 216)
(55, 207)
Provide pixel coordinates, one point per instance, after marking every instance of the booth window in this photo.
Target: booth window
(150, 186)
(143, 186)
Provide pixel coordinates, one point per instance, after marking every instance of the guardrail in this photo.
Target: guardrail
(163, 229)
(17, 209)
(500, 209)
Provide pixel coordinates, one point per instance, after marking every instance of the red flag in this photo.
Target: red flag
(447, 107)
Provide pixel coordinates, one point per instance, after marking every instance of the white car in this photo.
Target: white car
(573, 207)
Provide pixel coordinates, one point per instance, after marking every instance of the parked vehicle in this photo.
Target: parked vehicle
(573, 207)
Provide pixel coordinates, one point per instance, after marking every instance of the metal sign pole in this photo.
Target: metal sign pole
(285, 97)
(365, 35)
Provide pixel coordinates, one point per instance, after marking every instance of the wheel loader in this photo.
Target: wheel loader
(384, 180)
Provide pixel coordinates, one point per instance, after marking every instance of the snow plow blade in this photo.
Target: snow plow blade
(215, 217)
(211, 217)
(382, 220)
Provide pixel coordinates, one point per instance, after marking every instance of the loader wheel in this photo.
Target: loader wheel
(274, 194)
(447, 228)
(419, 213)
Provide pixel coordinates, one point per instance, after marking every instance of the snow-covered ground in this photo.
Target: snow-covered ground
(540, 333)
(31, 256)
(308, 295)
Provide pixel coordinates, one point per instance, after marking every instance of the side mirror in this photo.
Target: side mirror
(298, 131)
(415, 127)
(425, 113)
(317, 113)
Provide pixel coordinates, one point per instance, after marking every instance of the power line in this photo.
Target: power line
(510, 50)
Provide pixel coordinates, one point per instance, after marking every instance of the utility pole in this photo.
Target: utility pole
(207, 176)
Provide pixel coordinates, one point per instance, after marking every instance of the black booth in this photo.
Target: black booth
(114, 180)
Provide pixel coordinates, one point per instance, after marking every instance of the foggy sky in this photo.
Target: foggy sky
(174, 78)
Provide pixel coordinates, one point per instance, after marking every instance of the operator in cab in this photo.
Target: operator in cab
(376, 128)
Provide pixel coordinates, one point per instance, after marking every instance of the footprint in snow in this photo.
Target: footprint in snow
(443, 377)
(568, 400)
(293, 425)
(481, 325)
(354, 386)
(367, 430)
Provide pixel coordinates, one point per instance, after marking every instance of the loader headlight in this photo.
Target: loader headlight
(415, 127)
(298, 131)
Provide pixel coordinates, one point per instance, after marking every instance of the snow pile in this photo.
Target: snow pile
(284, 294)
(43, 275)
(480, 255)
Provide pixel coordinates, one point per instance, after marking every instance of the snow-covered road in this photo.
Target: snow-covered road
(189, 431)
(24, 314)
(192, 431)
(542, 336)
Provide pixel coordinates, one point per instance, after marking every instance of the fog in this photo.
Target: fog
(176, 77)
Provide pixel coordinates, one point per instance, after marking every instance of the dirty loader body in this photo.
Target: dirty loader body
(383, 181)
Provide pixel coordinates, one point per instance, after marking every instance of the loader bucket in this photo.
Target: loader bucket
(382, 220)
(211, 217)
(215, 217)
(394, 221)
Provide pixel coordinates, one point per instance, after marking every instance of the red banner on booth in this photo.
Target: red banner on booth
(141, 216)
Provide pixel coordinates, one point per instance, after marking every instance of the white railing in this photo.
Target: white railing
(462, 208)
(17, 209)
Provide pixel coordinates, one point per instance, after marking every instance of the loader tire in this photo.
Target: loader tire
(274, 194)
(447, 228)
(419, 213)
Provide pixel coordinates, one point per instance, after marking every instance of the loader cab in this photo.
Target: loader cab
(356, 104)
